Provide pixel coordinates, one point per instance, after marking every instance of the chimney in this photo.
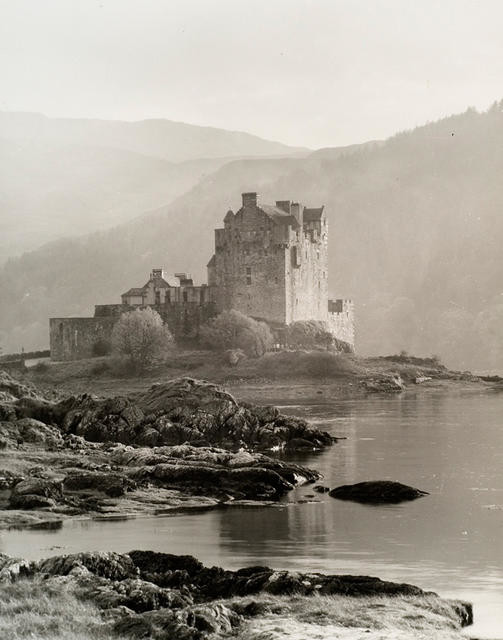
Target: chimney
(284, 205)
(157, 273)
(249, 199)
(297, 211)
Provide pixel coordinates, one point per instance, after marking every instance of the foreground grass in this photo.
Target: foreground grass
(346, 618)
(47, 610)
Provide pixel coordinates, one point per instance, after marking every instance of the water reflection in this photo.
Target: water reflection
(450, 541)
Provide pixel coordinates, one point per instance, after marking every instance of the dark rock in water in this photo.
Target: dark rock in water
(377, 492)
(320, 488)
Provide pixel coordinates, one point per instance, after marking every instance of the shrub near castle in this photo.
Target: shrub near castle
(234, 330)
(142, 337)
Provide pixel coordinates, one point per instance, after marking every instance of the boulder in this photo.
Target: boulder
(110, 483)
(377, 492)
(384, 384)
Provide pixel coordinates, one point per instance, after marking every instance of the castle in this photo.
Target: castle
(270, 263)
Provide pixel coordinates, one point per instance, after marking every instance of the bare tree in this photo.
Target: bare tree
(142, 336)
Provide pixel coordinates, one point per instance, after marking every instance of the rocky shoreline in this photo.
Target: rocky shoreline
(182, 444)
(144, 594)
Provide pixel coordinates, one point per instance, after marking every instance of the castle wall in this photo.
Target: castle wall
(249, 271)
(75, 338)
(307, 273)
(341, 320)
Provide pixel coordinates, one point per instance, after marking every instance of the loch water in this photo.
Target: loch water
(447, 443)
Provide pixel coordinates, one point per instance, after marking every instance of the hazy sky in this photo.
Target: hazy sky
(306, 72)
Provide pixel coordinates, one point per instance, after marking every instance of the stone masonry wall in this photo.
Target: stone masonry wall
(341, 320)
(307, 274)
(250, 257)
(75, 338)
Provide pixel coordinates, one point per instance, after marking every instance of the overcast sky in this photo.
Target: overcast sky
(305, 72)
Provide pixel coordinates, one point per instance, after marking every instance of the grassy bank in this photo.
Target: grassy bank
(346, 373)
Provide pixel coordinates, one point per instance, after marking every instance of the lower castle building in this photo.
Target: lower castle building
(270, 263)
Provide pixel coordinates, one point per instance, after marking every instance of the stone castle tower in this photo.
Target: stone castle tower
(270, 263)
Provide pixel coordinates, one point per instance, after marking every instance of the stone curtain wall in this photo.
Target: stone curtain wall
(341, 320)
(75, 338)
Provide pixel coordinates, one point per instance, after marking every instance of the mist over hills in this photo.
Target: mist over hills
(415, 239)
(61, 177)
(173, 141)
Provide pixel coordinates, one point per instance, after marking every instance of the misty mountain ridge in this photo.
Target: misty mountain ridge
(166, 139)
(61, 177)
(415, 237)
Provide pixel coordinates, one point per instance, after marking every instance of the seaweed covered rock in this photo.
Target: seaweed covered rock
(377, 492)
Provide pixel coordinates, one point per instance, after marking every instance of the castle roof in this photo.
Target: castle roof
(312, 215)
(136, 291)
(161, 283)
(212, 262)
(278, 215)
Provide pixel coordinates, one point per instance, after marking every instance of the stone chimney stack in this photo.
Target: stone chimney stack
(249, 199)
(284, 205)
(297, 211)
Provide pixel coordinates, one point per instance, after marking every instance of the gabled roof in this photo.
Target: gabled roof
(161, 283)
(278, 215)
(136, 291)
(312, 215)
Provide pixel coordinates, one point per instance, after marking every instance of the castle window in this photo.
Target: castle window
(185, 295)
(168, 296)
(248, 275)
(158, 297)
(318, 255)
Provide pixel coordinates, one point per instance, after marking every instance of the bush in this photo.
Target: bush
(142, 337)
(100, 368)
(102, 348)
(309, 334)
(41, 367)
(233, 330)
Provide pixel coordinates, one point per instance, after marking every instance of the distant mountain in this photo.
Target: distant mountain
(415, 238)
(173, 141)
(60, 177)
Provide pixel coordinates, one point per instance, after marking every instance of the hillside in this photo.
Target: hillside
(415, 237)
(61, 177)
(173, 141)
